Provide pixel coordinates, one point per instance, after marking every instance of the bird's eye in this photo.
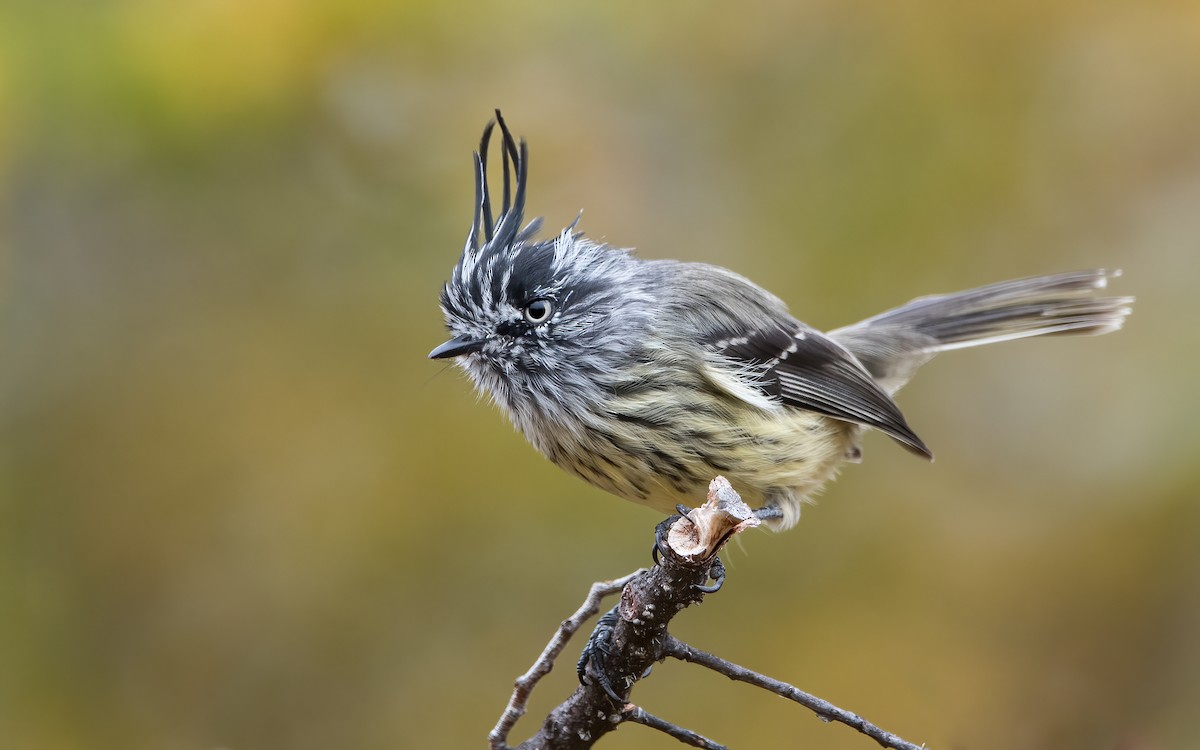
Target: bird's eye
(539, 311)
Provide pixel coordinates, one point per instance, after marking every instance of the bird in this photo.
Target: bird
(647, 378)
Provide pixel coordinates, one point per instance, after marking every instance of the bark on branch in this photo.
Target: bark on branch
(638, 638)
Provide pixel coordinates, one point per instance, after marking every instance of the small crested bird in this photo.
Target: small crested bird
(647, 378)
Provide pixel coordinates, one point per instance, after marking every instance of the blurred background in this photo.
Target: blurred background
(240, 509)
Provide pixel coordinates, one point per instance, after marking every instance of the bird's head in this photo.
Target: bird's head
(533, 317)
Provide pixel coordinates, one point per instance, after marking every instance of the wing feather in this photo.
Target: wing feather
(805, 369)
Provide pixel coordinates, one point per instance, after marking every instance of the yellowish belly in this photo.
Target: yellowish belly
(770, 458)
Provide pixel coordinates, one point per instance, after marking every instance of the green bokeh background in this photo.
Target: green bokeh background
(240, 509)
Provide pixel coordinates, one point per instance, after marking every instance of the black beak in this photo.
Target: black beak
(456, 347)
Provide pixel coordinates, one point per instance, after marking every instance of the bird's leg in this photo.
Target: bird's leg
(768, 513)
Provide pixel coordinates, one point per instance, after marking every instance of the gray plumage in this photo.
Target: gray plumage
(649, 377)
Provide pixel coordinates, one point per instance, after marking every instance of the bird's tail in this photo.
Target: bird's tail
(892, 345)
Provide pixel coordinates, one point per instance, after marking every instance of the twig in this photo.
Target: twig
(640, 716)
(636, 637)
(523, 685)
(825, 710)
(688, 548)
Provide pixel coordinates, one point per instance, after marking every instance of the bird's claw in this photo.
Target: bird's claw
(596, 652)
(717, 573)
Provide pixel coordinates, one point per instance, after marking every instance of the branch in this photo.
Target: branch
(686, 736)
(822, 708)
(689, 548)
(634, 637)
(523, 685)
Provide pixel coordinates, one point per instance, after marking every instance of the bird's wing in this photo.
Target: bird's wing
(803, 368)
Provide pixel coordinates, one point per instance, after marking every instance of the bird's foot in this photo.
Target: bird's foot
(596, 651)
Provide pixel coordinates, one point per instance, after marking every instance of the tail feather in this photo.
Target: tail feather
(893, 344)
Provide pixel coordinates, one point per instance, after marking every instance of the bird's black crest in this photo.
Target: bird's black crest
(506, 228)
(492, 240)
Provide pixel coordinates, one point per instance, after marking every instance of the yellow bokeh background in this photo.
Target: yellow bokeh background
(240, 509)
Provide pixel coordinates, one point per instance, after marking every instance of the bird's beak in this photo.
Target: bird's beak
(456, 347)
